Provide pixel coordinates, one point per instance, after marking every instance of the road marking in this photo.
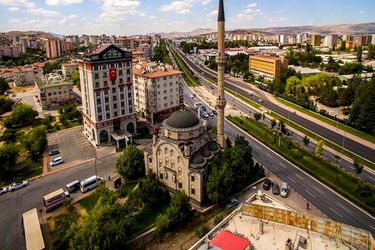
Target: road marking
(282, 165)
(270, 156)
(313, 195)
(333, 210)
(347, 210)
(300, 177)
(292, 180)
(320, 191)
(372, 227)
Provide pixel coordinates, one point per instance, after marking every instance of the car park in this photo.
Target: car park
(56, 161)
(54, 152)
(3, 190)
(275, 188)
(284, 190)
(232, 203)
(17, 185)
(267, 184)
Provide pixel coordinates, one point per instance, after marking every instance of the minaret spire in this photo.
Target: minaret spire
(220, 60)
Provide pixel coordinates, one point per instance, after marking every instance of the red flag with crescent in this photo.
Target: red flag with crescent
(112, 74)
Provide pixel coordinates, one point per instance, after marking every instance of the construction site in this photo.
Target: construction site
(264, 223)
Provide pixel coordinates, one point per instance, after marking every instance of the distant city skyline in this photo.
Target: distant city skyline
(145, 16)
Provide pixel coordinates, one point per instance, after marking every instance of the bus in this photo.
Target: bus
(32, 230)
(55, 199)
(90, 183)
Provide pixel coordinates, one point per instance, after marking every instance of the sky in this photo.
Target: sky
(132, 17)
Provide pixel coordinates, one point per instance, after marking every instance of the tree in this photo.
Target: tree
(294, 86)
(131, 163)
(177, 215)
(257, 116)
(22, 115)
(9, 154)
(359, 53)
(306, 140)
(36, 141)
(5, 104)
(151, 193)
(228, 142)
(4, 86)
(357, 165)
(75, 78)
(319, 151)
(273, 123)
(282, 127)
(371, 51)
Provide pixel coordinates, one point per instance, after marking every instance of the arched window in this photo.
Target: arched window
(171, 153)
(166, 151)
(178, 159)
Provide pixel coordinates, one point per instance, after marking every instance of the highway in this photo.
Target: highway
(330, 203)
(245, 90)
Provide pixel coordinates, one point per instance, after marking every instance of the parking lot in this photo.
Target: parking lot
(72, 145)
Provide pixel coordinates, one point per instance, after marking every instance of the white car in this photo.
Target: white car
(3, 190)
(17, 185)
(56, 161)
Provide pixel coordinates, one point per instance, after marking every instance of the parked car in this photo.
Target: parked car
(284, 190)
(197, 105)
(267, 184)
(232, 203)
(17, 185)
(192, 96)
(203, 108)
(204, 114)
(275, 188)
(54, 152)
(3, 190)
(210, 114)
(214, 112)
(56, 161)
(73, 186)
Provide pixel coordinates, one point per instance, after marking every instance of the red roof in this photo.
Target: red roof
(228, 241)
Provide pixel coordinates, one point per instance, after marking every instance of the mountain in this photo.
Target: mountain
(195, 32)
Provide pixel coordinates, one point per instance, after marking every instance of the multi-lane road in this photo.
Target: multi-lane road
(322, 197)
(245, 90)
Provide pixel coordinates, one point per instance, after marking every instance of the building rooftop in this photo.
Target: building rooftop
(52, 80)
(182, 119)
(305, 70)
(152, 70)
(226, 240)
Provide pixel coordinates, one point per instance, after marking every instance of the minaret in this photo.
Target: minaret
(220, 60)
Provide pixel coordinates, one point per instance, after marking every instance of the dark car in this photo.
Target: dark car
(54, 152)
(275, 188)
(267, 184)
(214, 112)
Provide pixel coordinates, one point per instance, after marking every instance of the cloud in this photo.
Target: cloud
(19, 3)
(63, 2)
(42, 12)
(117, 10)
(250, 12)
(182, 6)
(13, 9)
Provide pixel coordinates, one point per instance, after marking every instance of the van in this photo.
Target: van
(90, 183)
(197, 105)
(56, 161)
(73, 186)
(284, 190)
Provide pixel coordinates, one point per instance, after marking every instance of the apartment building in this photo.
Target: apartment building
(69, 68)
(316, 40)
(107, 95)
(267, 66)
(53, 48)
(54, 91)
(158, 91)
(27, 75)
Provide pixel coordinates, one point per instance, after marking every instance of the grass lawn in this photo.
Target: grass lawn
(341, 181)
(187, 73)
(147, 218)
(326, 142)
(90, 201)
(331, 122)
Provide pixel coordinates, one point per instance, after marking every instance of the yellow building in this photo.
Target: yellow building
(267, 66)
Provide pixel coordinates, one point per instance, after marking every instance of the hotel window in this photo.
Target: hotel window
(115, 114)
(130, 102)
(120, 72)
(105, 75)
(100, 118)
(104, 67)
(123, 112)
(105, 84)
(106, 92)
(128, 80)
(129, 88)
(106, 107)
(120, 65)
(192, 191)
(96, 67)
(192, 178)
(113, 90)
(128, 71)
(130, 110)
(98, 101)
(97, 85)
(113, 82)
(99, 109)
(106, 100)
(96, 76)
(164, 78)
(122, 104)
(129, 95)
(122, 96)
(121, 81)
(121, 89)
(112, 65)
(115, 106)
(114, 98)
(108, 116)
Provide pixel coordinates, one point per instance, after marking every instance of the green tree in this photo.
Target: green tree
(306, 140)
(282, 127)
(76, 78)
(371, 52)
(319, 151)
(36, 141)
(151, 193)
(9, 154)
(359, 53)
(131, 163)
(257, 116)
(5, 104)
(273, 123)
(294, 86)
(4, 86)
(22, 115)
(357, 165)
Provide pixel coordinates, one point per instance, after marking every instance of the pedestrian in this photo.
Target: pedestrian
(308, 206)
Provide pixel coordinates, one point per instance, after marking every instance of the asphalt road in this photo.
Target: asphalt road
(247, 110)
(14, 204)
(330, 203)
(353, 146)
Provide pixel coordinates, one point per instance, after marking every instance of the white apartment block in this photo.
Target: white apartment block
(27, 75)
(107, 96)
(158, 91)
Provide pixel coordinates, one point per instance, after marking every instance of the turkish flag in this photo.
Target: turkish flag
(112, 74)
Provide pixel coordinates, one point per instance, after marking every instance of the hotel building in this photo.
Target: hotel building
(267, 66)
(107, 95)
